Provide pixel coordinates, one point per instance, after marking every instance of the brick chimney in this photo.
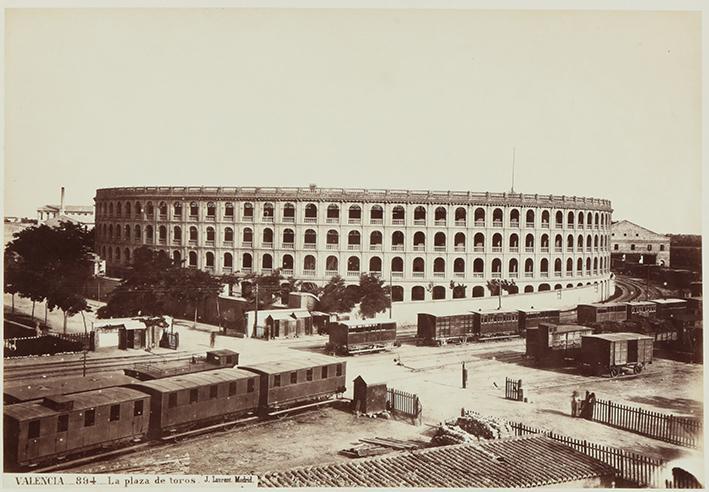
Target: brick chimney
(61, 204)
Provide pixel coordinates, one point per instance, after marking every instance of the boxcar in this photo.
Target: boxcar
(613, 353)
(287, 383)
(216, 359)
(551, 344)
(361, 336)
(646, 309)
(65, 425)
(669, 308)
(183, 402)
(440, 329)
(529, 318)
(491, 324)
(594, 313)
(18, 393)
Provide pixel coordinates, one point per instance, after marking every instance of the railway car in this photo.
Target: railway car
(59, 426)
(615, 353)
(646, 309)
(530, 318)
(669, 308)
(180, 403)
(286, 383)
(594, 313)
(35, 391)
(361, 336)
(435, 329)
(551, 344)
(496, 324)
(215, 359)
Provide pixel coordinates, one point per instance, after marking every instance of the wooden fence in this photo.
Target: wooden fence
(644, 471)
(513, 389)
(684, 431)
(403, 403)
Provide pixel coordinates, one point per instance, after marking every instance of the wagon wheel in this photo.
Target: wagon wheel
(614, 371)
(638, 369)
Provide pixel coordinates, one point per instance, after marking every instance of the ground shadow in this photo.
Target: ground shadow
(684, 405)
(518, 358)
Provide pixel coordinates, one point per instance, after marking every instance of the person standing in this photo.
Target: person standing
(574, 404)
(212, 339)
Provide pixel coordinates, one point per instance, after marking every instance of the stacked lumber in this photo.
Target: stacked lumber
(484, 427)
(450, 434)
(379, 445)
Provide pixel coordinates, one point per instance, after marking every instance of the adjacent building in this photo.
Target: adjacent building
(631, 243)
(52, 215)
(421, 242)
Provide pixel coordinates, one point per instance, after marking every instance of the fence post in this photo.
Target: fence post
(610, 413)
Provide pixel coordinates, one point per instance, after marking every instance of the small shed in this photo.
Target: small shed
(369, 397)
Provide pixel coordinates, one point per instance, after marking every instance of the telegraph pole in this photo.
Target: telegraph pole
(256, 310)
(391, 292)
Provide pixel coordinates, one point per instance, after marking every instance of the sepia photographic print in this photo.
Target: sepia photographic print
(287, 246)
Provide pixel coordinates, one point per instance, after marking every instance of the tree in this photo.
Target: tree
(334, 297)
(458, 290)
(497, 286)
(190, 287)
(374, 297)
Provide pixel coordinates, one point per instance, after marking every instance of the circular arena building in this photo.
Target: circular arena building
(428, 244)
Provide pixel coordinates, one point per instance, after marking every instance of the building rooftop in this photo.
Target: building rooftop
(67, 208)
(530, 461)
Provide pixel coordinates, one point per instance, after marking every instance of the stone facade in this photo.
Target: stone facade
(636, 243)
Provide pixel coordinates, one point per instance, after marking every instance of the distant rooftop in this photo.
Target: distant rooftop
(67, 208)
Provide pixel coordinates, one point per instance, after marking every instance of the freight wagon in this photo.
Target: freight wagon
(551, 344)
(594, 313)
(669, 308)
(361, 336)
(647, 309)
(441, 329)
(530, 318)
(34, 391)
(615, 353)
(496, 324)
(216, 359)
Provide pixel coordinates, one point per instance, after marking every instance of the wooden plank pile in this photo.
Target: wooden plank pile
(379, 445)
(471, 426)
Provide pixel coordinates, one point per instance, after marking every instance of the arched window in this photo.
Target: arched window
(439, 265)
(529, 267)
(228, 235)
(194, 209)
(579, 266)
(439, 292)
(497, 242)
(528, 289)
(110, 254)
(149, 233)
(397, 239)
(355, 214)
(398, 214)
(418, 293)
(545, 218)
(544, 266)
(162, 210)
(544, 287)
(127, 209)
(588, 266)
(497, 217)
(589, 242)
(559, 221)
(267, 262)
(119, 209)
(228, 260)
(570, 243)
(375, 264)
(177, 209)
(580, 219)
(311, 212)
(579, 243)
(162, 233)
(479, 242)
(193, 233)
(138, 209)
(478, 267)
(118, 231)
(478, 291)
(149, 209)
(288, 237)
(460, 216)
(570, 219)
(309, 263)
(246, 261)
(118, 255)
(193, 259)
(397, 293)
(557, 266)
(126, 231)
(439, 215)
(514, 243)
(589, 220)
(354, 239)
(229, 210)
(287, 263)
(288, 212)
(530, 218)
(353, 264)
(419, 241)
(496, 266)
(513, 266)
(210, 259)
(126, 255)
(557, 287)
(248, 211)
(397, 265)
(210, 234)
(459, 265)
(267, 236)
(376, 214)
(558, 242)
(268, 210)
(595, 242)
(136, 231)
(418, 265)
(439, 241)
(248, 236)
(110, 209)
(595, 265)
(333, 213)
(375, 239)
(211, 210)
(479, 216)
(529, 243)
(310, 238)
(569, 286)
(569, 266)
(459, 241)
(419, 215)
(514, 218)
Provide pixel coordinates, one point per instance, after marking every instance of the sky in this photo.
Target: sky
(599, 104)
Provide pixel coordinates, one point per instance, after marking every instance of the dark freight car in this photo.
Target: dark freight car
(63, 425)
(191, 400)
(669, 308)
(493, 324)
(594, 313)
(18, 393)
(530, 318)
(361, 336)
(551, 344)
(440, 329)
(647, 309)
(216, 359)
(616, 353)
(289, 382)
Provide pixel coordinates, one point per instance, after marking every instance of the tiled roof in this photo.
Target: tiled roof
(67, 208)
(530, 461)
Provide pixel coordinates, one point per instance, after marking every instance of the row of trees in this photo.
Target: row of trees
(50, 264)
